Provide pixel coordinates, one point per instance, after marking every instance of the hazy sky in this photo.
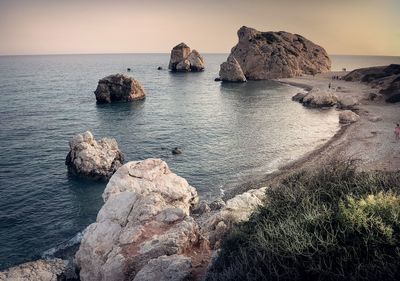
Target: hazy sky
(369, 27)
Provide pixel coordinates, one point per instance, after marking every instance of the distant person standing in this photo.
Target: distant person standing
(397, 131)
(329, 86)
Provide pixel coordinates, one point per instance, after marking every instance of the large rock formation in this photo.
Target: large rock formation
(92, 159)
(271, 55)
(183, 60)
(118, 87)
(387, 78)
(348, 117)
(40, 270)
(231, 71)
(144, 230)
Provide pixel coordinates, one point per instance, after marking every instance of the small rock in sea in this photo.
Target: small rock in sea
(159, 68)
(118, 87)
(348, 116)
(92, 159)
(176, 150)
(217, 79)
(128, 69)
(317, 98)
(184, 60)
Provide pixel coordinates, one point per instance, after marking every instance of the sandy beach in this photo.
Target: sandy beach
(371, 140)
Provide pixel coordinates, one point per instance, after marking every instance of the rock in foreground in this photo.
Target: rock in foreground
(144, 228)
(92, 159)
(118, 87)
(231, 71)
(40, 270)
(271, 55)
(184, 60)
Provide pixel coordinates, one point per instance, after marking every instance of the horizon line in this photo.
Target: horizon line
(163, 53)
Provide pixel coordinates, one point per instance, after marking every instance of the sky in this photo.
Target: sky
(357, 27)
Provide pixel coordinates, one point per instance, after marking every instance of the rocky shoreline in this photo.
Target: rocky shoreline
(208, 222)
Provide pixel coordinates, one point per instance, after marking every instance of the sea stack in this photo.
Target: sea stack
(184, 60)
(118, 87)
(272, 55)
(91, 159)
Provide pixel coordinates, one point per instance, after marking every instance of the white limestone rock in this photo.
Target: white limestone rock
(318, 98)
(92, 159)
(146, 215)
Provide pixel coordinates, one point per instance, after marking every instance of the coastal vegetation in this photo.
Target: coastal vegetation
(334, 223)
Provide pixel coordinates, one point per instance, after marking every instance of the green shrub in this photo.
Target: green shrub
(329, 224)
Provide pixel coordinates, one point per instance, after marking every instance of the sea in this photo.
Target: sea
(230, 135)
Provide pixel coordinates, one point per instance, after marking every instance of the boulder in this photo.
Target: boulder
(299, 97)
(271, 55)
(92, 159)
(184, 60)
(318, 98)
(118, 87)
(146, 216)
(347, 102)
(40, 270)
(348, 116)
(237, 209)
(231, 71)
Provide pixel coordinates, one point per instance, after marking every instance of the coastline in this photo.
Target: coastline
(354, 141)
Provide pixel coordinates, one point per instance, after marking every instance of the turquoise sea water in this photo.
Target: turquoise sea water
(230, 134)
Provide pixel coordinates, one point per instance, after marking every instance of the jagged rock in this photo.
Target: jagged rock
(176, 151)
(184, 60)
(318, 98)
(145, 216)
(166, 268)
(271, 55)
(118, 87)
(387, 78)
(92, 159)
(237, 209)
(348, 116)
(231, 71)
(217, 204)
(299, 97)
(40, 270)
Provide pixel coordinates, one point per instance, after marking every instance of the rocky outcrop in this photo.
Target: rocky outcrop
(387, 78)
(271, 55)
(347, 102)
(184, 60)
(118, 87)
(348, 117)
(231, 71)
(236, 209)
(143, 228)
(92, 159)
(299, 97)
(40, 270)
(317, 98)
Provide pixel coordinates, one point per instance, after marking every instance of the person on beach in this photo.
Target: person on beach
(397, 131)
(329, 86)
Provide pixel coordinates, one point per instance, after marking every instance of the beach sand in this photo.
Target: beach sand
(369, 141)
